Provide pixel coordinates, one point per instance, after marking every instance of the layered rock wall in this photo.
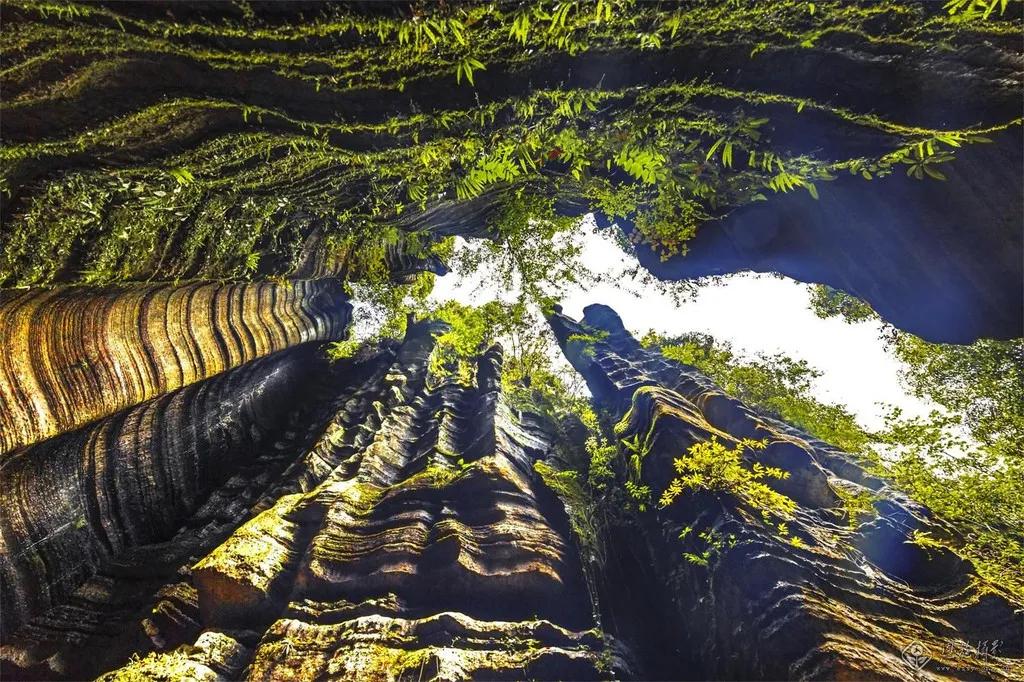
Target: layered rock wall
(401, 533)
(840, 593)
(159, 143)
(73, 355)
(87, 496)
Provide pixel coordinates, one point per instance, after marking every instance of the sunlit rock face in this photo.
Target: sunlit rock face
(183, 396)
(843, 602)
(75, 354)
(394, 526)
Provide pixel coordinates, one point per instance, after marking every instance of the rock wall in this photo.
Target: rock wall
(941, 260)
(295, 519)
(395, 528)
(75, 354)
(163, 143)
(839, 595)
(189, 489)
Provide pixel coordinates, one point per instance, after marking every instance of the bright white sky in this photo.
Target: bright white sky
(756, 313)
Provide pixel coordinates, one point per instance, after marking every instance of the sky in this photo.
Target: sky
(757, 313)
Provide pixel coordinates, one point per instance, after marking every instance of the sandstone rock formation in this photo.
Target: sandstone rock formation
(390, 528)
(75, 354)
(176, 377)
(190, 489)
(840, 595)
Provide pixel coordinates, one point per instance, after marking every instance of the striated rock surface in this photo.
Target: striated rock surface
(841, 594)
(294, 519)
(396, 530)
(129, 480)
(73, 355)
(142, 598)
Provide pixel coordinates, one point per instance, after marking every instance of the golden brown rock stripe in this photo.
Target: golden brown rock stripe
(73, 355)
(71, 503)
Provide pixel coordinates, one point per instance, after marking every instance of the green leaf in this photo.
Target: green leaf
(714, 147)
(182, 175)
(466, 67)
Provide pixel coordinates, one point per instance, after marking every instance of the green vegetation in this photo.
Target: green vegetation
(472, 329)
(857, 504)
(709, 465)
(975, 8)
(579, 504)
(776, 384)
(355, 166)
(341, 350)
(159, 666)
(965, 462)
(203, 185)
(437, 474)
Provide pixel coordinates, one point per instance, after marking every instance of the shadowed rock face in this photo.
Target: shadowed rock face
(293, 519)
(86, 497)
(844, 602)
(941, 260)
(395, 527)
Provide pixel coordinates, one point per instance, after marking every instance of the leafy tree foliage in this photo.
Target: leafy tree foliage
(966, 461)
(777, 384)
(193, 186)
(709, 465)
(102, 199)
(828, 302)
(980, 386)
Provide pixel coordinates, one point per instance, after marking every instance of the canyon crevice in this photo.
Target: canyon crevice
(364, 519)
(205, 474)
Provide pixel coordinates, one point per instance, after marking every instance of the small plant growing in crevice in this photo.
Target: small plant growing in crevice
(856, 504)
(637, 450)
(714, 543)
(711, 466)
(588, 341)
(341, 350)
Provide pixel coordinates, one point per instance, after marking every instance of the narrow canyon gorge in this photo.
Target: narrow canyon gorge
(205, 475)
